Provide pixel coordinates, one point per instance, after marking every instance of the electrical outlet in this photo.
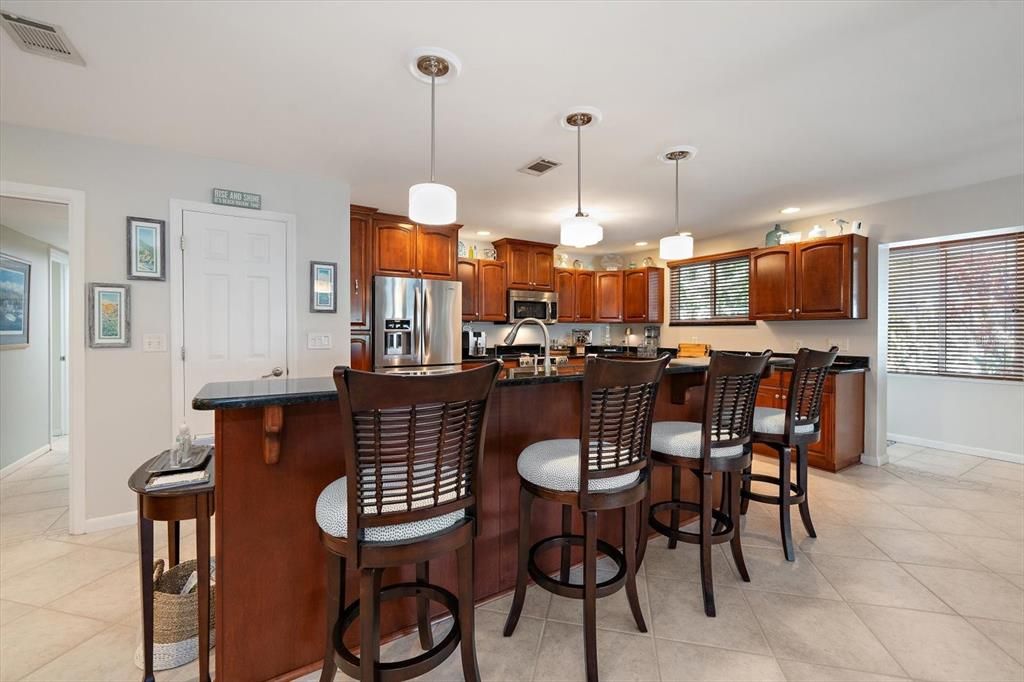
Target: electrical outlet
(318, 341)
(154, 343)
(693, 339)
(842, 343)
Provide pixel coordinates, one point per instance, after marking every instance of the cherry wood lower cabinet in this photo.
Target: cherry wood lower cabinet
(842, 417)
(271, 577)
(483, 290)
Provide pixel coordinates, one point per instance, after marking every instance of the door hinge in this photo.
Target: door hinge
(183, 352)
(181, 242)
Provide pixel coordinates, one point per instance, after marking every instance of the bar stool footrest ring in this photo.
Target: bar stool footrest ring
(394, 671)
(575, 590)
(796, 495)
(723, 535)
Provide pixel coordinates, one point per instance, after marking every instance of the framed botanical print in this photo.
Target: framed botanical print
(146, 249)
(109, 316)
(15, 285)
(323, 287)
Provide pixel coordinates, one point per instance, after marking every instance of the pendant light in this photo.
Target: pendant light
(432, 203)
(580, 230)
(678, 246)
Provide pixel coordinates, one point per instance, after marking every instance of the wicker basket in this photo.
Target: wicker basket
(175, 617)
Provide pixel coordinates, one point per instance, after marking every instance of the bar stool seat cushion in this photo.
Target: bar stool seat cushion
(683, 439)
(555, 465)
(332, 516)
(772, 420)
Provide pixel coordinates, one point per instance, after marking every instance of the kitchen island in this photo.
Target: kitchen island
(279, 444)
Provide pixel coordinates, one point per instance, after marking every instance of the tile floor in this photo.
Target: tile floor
(917, 573)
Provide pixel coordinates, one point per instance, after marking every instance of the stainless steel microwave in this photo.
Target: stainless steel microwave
(540, 304)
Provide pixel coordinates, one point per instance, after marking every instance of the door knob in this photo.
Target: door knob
(276, 372)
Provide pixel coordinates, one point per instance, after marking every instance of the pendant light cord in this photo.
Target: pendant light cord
(433, 75)
(677, 195)
(579, 170)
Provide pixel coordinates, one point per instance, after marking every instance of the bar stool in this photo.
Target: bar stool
(719, 444)
(412, 449)
(793, 428)
(605, 469)
(174, 506)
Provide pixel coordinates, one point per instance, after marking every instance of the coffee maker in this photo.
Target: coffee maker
(652, 339)
(474, 343)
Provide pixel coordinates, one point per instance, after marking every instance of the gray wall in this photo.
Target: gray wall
(128, 392)
(25, 372)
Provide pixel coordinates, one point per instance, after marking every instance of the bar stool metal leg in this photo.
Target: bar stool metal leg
(146, 575)
(203, 570)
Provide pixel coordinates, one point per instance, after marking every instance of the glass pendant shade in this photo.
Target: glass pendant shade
(676, 247)
(581, 231)
(432, 203)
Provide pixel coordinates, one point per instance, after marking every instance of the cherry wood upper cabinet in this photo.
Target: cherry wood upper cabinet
(468, 273)
(821, 279)
(531, 265)
(360, 267)
(491, 291)
(437, 247)
(771, 283)
(402, 248)
(831, 278)
(643, 295)
(608, 296)
(584, 296)
(565, 285)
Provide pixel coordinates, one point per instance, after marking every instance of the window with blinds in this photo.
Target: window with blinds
(710, 291)
(956, 308)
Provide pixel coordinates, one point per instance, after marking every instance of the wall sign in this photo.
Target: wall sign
(231, 197)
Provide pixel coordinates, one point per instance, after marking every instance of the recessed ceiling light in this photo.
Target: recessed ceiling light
(640, 244)
(483, 233)
(790, 209)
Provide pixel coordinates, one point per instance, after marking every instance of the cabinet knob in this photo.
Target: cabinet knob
(789, 310)
(798, 310)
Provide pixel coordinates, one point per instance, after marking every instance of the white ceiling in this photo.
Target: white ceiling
(44, 221)
(823, 105)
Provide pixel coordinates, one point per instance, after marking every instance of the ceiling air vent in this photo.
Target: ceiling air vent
(539, 166)
(36, 37)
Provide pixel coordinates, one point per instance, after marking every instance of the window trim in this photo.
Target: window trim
(710, 258)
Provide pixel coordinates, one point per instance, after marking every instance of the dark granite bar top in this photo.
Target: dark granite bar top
(844, 364)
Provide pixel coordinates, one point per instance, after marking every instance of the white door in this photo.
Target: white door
(235, 303)
(58, 344)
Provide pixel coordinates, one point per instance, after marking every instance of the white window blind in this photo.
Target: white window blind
(956, 308)
(710, 291)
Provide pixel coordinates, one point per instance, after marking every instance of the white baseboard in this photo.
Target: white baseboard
(1015, 457)
(17, 464)
(113, 521)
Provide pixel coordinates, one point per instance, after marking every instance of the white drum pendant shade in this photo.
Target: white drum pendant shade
(676, 247)
(432, 203)
(581, 231)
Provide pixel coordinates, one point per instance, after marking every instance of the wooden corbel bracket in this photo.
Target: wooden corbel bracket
(273, 424)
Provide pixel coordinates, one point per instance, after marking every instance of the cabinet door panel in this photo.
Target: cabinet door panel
(823, 279)
(565, 285)
(359, 264)
(491, 294)
(394, 248)
(608, 296)
(543, 265)
(771, 283)
(634, 302)
(467, 272)
(520, 265)
(584, 296)
(362, 358)
(436, 249)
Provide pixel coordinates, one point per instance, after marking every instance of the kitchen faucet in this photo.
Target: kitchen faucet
(511, 336)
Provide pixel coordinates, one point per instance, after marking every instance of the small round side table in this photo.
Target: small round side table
(174, 506)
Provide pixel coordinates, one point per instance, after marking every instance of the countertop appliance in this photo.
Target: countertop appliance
(416, 325)
(542, 305)
(474, 343)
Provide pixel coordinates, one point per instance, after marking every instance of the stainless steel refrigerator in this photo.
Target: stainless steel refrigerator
(417, 325)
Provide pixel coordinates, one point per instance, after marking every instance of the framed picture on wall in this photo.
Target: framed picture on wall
(15, 285)
(323, 287)
(146, 249)
(109, 316)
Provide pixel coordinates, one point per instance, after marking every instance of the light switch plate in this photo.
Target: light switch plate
(319, 341)
(154, 343)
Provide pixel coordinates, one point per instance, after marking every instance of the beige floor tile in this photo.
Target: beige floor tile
(9, 610)
(820, 631)
(838, 541)
(876, 514)
(951, 521)
(769, 571)
(972, 593)
(1014, 578)
(25, 555)
(33, 485)
(14, 527)
(1002, 475)
(16, 504)
(904, 493)
(108, 656)
(907, 546)
(941, 462)
(49, 459)
(683, 562)
(60, 526)
(796, 671)
(613, 612)
(63, 575)
(681, 661)
(678, 614)
(1009, 636)
(39, 637)
(978, 499)
(898, 451)
(620, 656)
(1003, 556)
(535, 606)
(1011, 525)
(111, 598)
(936, 646)
(883, 583)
